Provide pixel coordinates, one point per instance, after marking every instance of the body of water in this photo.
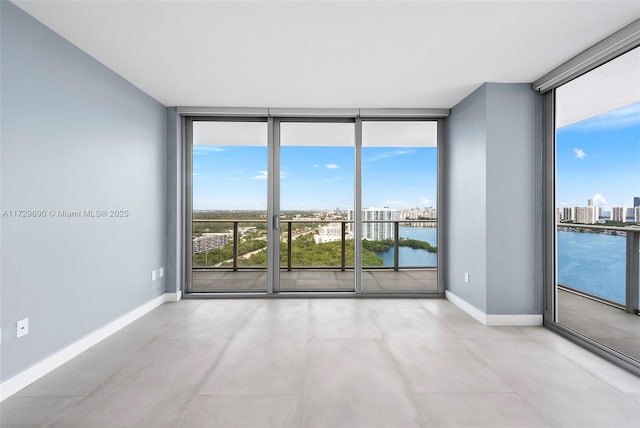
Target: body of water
(409, 257)
(593, 262)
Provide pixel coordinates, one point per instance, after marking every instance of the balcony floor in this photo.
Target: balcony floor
(316, 280)
(300, 363)
(606, 324)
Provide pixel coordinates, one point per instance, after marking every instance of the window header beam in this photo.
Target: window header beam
(616, 44)
(364, 113)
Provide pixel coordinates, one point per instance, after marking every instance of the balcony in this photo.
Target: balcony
(310, 261)
(598, 296)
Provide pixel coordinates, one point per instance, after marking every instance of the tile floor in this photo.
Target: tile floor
(205, 281)
(327, 363)
(606, 324)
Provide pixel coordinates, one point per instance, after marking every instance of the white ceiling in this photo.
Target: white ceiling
(362, 54)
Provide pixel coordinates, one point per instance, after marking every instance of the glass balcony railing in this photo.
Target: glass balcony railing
(600, 262)
(314, 244)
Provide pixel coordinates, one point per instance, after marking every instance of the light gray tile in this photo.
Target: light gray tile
(562, 392)
(277, 318)
(317, 275)
(126, 407)
(83, 374)
(476, 410)
(408, 323)
(28, 412)
(596, 365)
(181, 364)
(355, 383)
(432, 365)
(393, 305)
(219, 320)
(243, 411)
(271, 365)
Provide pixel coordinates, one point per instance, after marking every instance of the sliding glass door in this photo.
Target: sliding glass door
(597, 200)
(316, 195)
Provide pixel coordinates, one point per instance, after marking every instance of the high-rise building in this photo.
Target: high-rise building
(567, 214)
(377, 223)
(636, 214)
(590, 202)
(586, 215)
(618, 214)
(636, 201)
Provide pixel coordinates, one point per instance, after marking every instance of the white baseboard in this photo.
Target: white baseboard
(38, 370)
(515, 320)
(174, 297)
(494, 320)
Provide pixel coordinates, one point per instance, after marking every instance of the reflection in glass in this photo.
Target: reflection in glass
(597, 190)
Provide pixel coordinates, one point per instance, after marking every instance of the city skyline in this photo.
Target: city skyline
(599, 159)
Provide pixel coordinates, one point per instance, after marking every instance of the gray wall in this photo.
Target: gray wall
(491, 217)
(466, 198)
(75, 136)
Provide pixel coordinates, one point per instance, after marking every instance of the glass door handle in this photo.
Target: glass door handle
(276, 222)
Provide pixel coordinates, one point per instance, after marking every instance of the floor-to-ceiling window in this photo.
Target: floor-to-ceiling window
(229, 206)
(399, 209)
(312, 204)
(597, 204)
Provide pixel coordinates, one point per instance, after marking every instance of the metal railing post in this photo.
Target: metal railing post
(396, 247)
(289, 240)
(343, 245)
(631, 302)
(235, 246)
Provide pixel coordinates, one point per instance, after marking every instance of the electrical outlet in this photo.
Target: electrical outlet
(161, 272)
(153, 275)
(466, 277)
(22, 327)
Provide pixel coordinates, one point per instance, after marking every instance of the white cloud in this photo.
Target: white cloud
(332, 166)
(425, 202)
(579, 153)
(599, 200)
(262, 175)
(387, 155)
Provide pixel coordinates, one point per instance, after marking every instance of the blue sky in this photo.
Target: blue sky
(313, 177)
(599, 158)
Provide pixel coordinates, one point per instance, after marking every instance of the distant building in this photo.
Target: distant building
(210, 241)
(382, 228)
(567, 214)
(618, 214)
(331, 233)
(636, 201)
(629, 214)
(636, 214)
(586, 215)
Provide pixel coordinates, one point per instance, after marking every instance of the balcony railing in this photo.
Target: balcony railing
(632, 263)
(290, 238)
